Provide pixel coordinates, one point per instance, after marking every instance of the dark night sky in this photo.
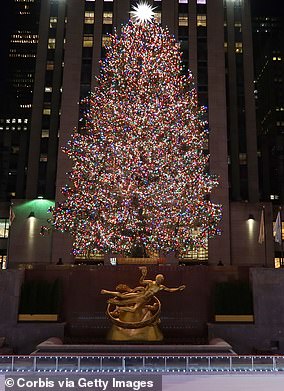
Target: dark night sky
(270, 7)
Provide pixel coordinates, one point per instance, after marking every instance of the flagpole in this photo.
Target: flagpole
(278, 234)
(8, 247)
(281, 236)
(11, 218)
(262, 233)
(265, 248)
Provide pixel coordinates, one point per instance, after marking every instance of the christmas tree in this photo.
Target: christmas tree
(140, 173)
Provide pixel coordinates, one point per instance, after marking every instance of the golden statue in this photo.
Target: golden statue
(135, 312)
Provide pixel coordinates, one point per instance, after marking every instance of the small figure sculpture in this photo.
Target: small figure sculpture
(136, 311)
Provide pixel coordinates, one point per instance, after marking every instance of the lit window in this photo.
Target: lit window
(106, 41)
(158, 17)
(243, 158)
(107, 18)
(44, 133)
(278, 262)
(52, 22)
(48, 89)
(274, 197)
(46, 111)
(89, 17)
(51, 43)
(15, 149)
(197, 254)
(3, 258)
(4, 228)
(183, 20)
(238, 47)
(183, 1)
(88, 41)
(201, 2)
(274, 58)
(50, 65)
(201, 21)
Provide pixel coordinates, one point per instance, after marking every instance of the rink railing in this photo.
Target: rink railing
(141, 363)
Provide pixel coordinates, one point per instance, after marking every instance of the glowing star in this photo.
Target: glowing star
(143, 12)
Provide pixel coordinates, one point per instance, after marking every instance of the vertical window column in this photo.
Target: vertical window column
(183, 31)
(202, 54)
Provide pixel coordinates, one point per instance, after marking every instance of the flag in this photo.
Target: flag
(11, 215)
(261, 236)
(278, 229)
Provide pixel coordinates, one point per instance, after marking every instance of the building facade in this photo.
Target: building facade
(269, 90)
(216, 41)
(16, 98)
(268, 34)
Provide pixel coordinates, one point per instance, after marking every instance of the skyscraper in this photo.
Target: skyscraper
(269, 90)
(16, 98)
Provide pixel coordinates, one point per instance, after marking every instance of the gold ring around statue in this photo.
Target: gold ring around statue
(135, 325)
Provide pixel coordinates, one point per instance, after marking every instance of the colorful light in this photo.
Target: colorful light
(140, 173)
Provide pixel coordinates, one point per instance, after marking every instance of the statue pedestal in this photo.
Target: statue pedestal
(147, 333)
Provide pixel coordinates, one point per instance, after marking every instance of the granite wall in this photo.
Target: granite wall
(266, 334)
(184, 314)
(21, 337)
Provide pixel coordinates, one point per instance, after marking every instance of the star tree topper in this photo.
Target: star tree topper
(143, 12)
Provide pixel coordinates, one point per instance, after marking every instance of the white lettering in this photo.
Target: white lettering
(136, 385)
(96, 383)
(39, 383)
(21, 382)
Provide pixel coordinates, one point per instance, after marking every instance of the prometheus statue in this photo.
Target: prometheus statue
(135, 312)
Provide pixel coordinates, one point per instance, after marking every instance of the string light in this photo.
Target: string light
(140, 174)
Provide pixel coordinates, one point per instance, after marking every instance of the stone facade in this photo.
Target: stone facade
(266, 334)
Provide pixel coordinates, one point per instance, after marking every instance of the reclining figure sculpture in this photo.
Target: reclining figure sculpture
(135, 312)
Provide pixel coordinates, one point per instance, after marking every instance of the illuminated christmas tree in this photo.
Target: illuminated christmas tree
(140, 174)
